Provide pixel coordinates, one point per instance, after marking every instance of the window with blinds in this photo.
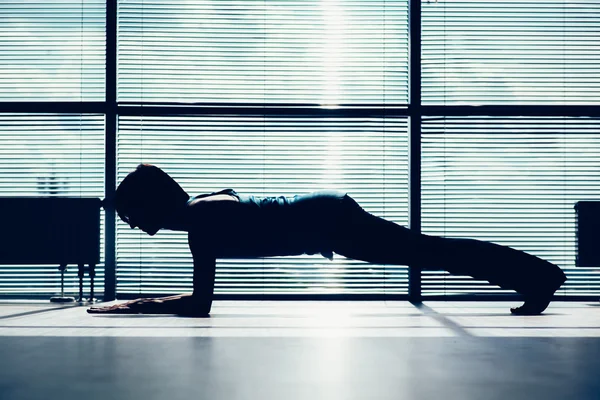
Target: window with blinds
(52, 50)
(50, 155)
(275, 54)
(512, 181)
(272, 156)
(321, 52)
(511, 52)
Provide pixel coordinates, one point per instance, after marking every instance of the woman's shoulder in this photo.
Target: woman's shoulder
(229, 192)
(213, 211)
(222, 195)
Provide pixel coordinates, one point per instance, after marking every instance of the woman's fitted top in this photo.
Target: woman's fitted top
(266, 226)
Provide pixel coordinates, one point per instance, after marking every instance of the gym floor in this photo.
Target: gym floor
(302, 350)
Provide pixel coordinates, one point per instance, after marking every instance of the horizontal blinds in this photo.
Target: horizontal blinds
(265, 156)
(512, 181)
(52, 50)
(327, 52)
(511, 52)
(50, 155)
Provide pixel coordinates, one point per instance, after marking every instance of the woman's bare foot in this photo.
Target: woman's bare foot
(532, 307)
(537, 303)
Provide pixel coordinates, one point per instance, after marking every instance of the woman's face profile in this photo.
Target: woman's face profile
(144, 219)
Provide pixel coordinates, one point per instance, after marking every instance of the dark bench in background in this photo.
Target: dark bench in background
(52, 230)
(588, 234)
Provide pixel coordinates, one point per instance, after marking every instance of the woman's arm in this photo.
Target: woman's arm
(203, 276)
(197, 304)
(200, 302)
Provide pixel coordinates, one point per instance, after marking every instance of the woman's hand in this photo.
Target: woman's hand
(184, 305)
(161, 305)
(129, 307)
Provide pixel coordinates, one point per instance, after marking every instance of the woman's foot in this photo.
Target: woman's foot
(535, 304)
(532, 307)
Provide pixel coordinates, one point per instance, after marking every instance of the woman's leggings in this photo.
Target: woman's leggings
(362, 236)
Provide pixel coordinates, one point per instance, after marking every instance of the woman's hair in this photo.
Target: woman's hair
(148, 186)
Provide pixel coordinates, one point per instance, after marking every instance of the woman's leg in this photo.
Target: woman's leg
(365, 237)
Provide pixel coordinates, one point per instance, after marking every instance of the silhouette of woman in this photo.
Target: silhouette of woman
(226, 224)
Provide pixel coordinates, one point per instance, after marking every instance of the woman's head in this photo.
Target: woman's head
(147, 196)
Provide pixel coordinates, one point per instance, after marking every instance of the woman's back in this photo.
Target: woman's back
(264, 226)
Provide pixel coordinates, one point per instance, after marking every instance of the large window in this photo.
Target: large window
(50, 155)
(286, 97)
(272, 156)
(517, 52)
(52, 50)
(300, 69)
(512, 181)
(317, 52)
(506, 177)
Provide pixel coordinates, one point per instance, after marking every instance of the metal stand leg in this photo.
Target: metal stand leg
(62, 298)
(80, 272)
(92, 272)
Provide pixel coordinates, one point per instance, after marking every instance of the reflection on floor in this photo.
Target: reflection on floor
(298, 350)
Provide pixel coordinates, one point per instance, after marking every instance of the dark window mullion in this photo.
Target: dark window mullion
(110, 165)
(414, 148)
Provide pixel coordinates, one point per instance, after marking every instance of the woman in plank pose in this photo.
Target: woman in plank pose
(226, 224)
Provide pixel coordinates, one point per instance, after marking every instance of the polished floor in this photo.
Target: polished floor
(303, 350)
